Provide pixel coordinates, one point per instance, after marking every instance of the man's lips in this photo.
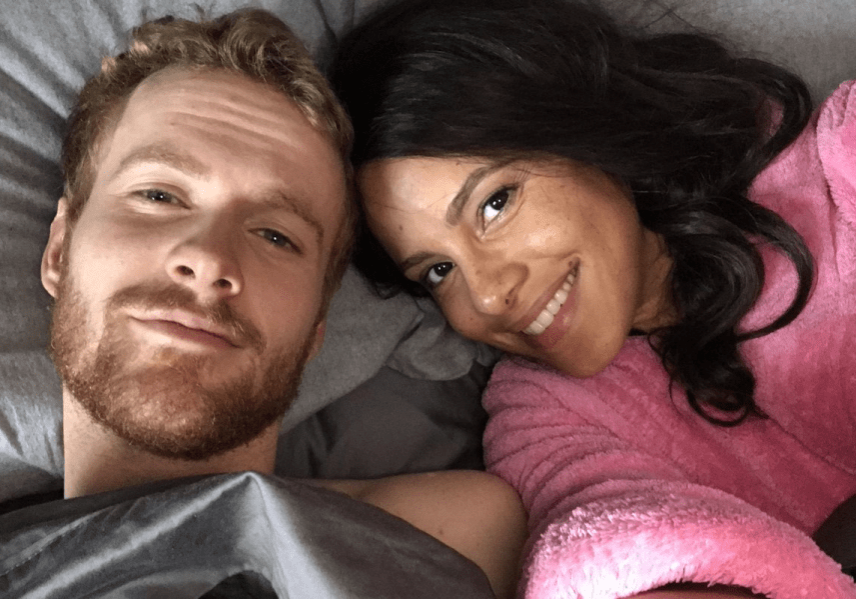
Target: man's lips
(188, 327)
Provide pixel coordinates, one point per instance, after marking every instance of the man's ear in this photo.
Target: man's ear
(53, 258)
(320, 330)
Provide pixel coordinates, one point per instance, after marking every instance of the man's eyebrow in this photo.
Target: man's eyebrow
(282, 201)
(164, 154)
(456, 206)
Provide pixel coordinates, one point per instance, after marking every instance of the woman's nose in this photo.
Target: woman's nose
(494, 286)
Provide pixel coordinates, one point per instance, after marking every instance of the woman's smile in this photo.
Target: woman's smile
(548, 314)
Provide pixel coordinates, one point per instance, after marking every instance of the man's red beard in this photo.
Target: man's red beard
(155, 398)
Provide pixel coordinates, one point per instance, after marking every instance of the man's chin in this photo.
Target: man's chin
(167, 402)
(164, 410)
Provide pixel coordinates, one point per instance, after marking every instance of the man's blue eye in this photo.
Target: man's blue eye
(156, 195)
(276, 238)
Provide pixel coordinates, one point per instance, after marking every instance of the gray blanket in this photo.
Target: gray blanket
(232, 535)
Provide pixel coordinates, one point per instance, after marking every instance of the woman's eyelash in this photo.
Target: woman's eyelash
(436, 273)
(495, 204)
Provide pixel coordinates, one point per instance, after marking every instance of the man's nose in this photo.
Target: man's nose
(495, 284)
(205, 261)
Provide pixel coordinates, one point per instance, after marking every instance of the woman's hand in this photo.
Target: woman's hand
(474, 513)
(698, 591)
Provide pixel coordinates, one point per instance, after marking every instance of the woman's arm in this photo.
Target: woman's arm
(697, 591)
(474, 513)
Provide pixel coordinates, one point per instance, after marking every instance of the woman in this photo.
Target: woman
(662, 235)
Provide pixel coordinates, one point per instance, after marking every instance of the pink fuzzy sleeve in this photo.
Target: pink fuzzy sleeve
(610, 520)
(640, 535)
(836, 143)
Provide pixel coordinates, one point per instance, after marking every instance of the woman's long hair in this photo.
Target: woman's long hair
(682, 121)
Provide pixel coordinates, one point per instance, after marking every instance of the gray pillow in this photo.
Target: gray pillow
(813, 38)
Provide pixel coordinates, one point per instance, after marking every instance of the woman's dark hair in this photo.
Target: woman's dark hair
(685, 123)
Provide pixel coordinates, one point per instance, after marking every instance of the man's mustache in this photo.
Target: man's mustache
(169, 296)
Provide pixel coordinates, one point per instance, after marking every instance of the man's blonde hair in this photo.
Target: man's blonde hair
(251, 42)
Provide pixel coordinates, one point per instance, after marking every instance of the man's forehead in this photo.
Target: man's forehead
(220, 93)
(226, 104)
(191, 119)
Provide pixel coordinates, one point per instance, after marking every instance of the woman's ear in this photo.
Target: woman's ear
(53, 258)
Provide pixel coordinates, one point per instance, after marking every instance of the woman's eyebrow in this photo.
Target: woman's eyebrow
(456, 206)
(413, 260)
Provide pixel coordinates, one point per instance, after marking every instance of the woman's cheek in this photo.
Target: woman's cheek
(545, 237)
(458, 311)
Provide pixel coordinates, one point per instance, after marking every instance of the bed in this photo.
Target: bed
(394, 389)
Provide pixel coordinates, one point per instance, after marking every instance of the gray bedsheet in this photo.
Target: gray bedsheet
(181, 539)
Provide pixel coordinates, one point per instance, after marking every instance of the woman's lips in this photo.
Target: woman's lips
(555, 329)
(548, 314)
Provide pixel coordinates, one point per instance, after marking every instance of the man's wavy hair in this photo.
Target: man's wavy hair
(251, 42)
(678, 118)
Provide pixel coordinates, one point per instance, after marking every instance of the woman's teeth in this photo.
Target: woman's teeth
(545, 318)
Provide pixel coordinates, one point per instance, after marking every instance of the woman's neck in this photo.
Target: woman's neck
(657, 308)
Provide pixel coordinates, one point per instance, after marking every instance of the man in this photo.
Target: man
(205, 224)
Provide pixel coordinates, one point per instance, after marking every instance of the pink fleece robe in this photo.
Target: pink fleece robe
(629, 489)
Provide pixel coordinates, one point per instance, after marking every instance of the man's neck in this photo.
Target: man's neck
(96, 460)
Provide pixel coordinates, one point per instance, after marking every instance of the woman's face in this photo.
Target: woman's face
(543, 259)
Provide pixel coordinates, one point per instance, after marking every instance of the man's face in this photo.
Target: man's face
(188, 291)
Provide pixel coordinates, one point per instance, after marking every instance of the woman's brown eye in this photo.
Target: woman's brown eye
(495, 204)
(437, 273)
